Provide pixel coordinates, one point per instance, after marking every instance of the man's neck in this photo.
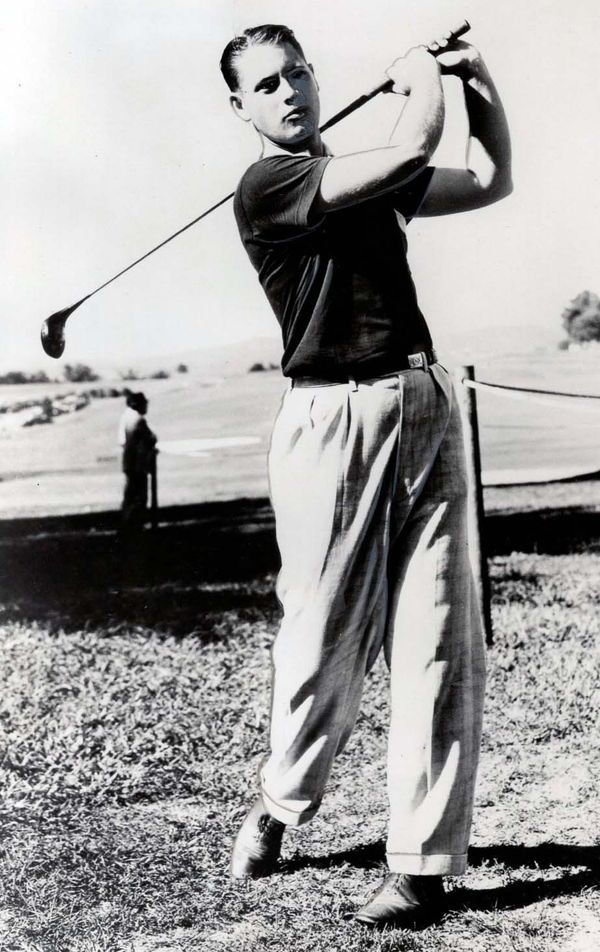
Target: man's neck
(314, 147)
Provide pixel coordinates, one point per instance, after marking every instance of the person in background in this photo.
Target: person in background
(138, 444)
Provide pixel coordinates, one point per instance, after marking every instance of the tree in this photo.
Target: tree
(581, 319)
(17, 376)
(182, 368)
(80, 373)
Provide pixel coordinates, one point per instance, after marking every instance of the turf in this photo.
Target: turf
(130, 753)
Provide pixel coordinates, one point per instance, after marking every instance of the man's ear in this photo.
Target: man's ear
(237, 105)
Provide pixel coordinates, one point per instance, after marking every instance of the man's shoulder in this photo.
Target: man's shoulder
(276, 192)
(253, 174)
(250, 184)
(273, 167)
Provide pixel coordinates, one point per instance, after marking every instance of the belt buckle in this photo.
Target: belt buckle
(417, 360)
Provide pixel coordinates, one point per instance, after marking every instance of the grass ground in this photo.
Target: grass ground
(131, 743)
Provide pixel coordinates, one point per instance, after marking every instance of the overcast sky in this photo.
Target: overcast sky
(117, 131)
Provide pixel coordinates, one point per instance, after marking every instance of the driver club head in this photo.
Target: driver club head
(53, 331)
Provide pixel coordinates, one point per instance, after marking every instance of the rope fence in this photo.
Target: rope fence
(552, 393)
(532, 394)
(467, 394)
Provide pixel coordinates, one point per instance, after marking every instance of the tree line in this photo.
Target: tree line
(81, 373)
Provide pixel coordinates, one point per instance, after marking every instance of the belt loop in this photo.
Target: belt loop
(352, 385)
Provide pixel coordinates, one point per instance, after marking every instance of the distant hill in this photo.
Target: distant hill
(485, 342)
(228, 360)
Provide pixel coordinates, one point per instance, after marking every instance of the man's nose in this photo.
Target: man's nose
(287, 90)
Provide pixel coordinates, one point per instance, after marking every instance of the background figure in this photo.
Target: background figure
(139, 454)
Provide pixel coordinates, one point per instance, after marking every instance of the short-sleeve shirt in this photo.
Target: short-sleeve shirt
(339, 283)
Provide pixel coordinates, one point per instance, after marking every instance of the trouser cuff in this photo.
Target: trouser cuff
(285, 814)
(438, 864)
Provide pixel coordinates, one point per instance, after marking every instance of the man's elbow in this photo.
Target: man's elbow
(501, 188)
(494, 188)
(418, 160)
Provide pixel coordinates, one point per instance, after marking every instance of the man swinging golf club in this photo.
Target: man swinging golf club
(366, 462)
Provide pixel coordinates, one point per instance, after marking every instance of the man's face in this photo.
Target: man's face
(278, 93)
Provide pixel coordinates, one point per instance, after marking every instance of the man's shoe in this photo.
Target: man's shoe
(405, 901)
(257, 845)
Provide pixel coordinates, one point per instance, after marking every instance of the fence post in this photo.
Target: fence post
(468, 404)
(154, 493)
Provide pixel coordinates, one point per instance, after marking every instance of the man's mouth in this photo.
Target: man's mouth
(294, 115)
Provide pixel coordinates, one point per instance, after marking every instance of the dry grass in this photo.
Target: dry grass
(130, 754)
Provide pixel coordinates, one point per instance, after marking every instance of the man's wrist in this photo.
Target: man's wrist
(417, 70)
(428, 75)
(430, 66)
(474, 69)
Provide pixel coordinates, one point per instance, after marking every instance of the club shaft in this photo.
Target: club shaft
(387, 84)
(161, 245)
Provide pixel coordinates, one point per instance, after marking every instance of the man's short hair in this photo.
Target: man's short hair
(271, 34)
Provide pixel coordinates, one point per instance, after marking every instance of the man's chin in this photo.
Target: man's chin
(295, 141)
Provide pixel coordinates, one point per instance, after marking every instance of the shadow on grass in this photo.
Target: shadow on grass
(514, 895)
(75, 571)
(543, 856)
(517, 895)
(369, 856)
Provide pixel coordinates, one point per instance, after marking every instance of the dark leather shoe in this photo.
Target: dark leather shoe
(405, 901)
(257, 845)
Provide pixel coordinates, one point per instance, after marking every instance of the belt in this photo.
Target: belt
(421, 360)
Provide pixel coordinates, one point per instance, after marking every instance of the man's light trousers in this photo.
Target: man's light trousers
(369, 490)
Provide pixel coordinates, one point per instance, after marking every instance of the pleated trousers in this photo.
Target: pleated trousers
(369, 490)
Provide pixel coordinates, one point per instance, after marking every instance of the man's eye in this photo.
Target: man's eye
(269, 87)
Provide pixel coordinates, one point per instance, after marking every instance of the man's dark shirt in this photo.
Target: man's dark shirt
(339, 284)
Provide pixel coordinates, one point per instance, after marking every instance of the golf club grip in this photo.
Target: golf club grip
(387, 85)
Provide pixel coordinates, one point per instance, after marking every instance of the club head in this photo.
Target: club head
(53, 331)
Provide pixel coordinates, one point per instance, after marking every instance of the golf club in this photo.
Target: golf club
(53, 328)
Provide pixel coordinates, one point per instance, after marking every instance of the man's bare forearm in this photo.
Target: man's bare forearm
(421, 121)
(487, 176)
(488, 126)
